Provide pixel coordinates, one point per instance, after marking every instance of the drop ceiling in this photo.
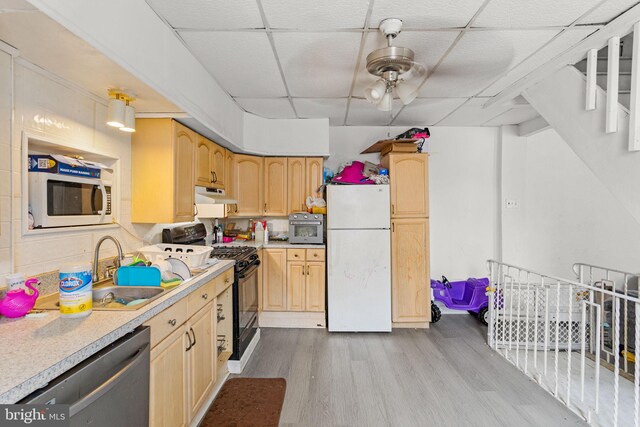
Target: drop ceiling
(306, 58)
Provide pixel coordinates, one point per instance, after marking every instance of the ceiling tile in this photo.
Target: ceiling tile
(514, 116)
(362, 113)
(315, 14)
(425, 14)
(318, 65)
(271, 108)
(473, 114)
(558, 45)
(427, 111)
(429, 46)
(519, 14)
(608, 11)
(209, 14)
(479, 57)
(317, 108)
(242, 62)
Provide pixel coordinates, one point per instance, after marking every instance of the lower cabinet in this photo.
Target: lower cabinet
(168, 381)
(294, 280)
(187, 357)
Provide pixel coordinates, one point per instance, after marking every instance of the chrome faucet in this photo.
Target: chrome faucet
(96, 255)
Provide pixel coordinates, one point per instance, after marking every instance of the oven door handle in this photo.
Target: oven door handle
(250, 272)
(103, 212)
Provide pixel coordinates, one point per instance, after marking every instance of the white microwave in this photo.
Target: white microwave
(66, 200)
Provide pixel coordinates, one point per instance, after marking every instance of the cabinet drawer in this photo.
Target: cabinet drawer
(223, 281)
(201, 297)
(295, 254)
(315, 255)
(167, 322)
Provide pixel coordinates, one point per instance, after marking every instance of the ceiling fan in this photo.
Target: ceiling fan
(395, 67)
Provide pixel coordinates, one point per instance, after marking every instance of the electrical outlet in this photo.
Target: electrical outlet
(510, 204)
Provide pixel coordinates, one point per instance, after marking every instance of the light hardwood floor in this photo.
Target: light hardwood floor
(444, 376)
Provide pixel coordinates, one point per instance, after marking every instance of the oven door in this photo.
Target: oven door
(246, 312)
(63, 201)
(305, 231)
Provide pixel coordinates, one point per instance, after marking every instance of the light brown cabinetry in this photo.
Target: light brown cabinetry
(275, 186)
(260, 279)
(409, 182)
(185, 365)
(168, 381)
(209, 164)
(162, 157)
(304, 178)
(202, 362)
(294, 280)
(314, 173)
(296, 184)
(247, 180)
(274, 284)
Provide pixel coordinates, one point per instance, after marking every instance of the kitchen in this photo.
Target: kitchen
(224, 165)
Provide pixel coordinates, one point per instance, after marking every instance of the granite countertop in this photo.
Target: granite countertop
(271, 244)
(36, 350)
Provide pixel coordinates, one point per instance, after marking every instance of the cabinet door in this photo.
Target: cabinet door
(230, 182)
(184, 153)
(203, 166)
(274, 291)
(275, 186)
(314, 173)
(315, 285)
(410, 270)
(409, 177)
(260, 278)
(248, 175)
(202, 357)
(297, 184)
(168, 381)
(296, 277)
(218, 165)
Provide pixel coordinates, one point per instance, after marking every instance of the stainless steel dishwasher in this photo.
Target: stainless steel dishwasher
(111, 388)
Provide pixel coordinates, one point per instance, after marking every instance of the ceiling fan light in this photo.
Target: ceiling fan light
(115, 113)
(385, 103)
(406, 92)
(375, 92)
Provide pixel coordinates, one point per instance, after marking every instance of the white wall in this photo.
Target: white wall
(77, 120)
(565, 213)
(285, 137)
(463, 191)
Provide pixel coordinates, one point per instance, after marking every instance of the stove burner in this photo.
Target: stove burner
(235, 252)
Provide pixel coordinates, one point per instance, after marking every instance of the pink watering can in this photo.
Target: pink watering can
(18, 302)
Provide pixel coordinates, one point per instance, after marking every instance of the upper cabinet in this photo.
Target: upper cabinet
(296, 183)
(409, 181)
(162, 159)
(248, 172)
(275, 186)
(314, 172)
(210, 164)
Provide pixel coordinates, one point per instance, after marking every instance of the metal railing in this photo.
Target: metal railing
(557, 331)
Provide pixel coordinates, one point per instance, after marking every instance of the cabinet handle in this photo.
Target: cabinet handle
(393, 208)
(172, 322)
(194, 337)
(195, 210)
(226, 280)
(205, 296)
(190, 344)
(236, 205)
(211, 180)
(215, 176)
(307, 270)
(393, 227)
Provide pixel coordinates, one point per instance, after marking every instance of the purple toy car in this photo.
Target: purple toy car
(468, 295)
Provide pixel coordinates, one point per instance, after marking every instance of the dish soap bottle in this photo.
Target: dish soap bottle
(266, 234)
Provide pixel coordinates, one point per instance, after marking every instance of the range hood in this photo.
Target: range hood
(206, 195)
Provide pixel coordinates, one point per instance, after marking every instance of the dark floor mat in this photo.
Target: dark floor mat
(247, 402)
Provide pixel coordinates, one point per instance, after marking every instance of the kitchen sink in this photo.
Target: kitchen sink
(109, 297)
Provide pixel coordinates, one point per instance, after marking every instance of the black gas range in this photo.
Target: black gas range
(245, 284)
(245, 294)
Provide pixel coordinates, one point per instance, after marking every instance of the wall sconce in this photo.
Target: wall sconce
(120, 114)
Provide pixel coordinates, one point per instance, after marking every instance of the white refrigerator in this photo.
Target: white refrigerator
(358, 258)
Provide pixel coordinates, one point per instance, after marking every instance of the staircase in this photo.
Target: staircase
(624, 81)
